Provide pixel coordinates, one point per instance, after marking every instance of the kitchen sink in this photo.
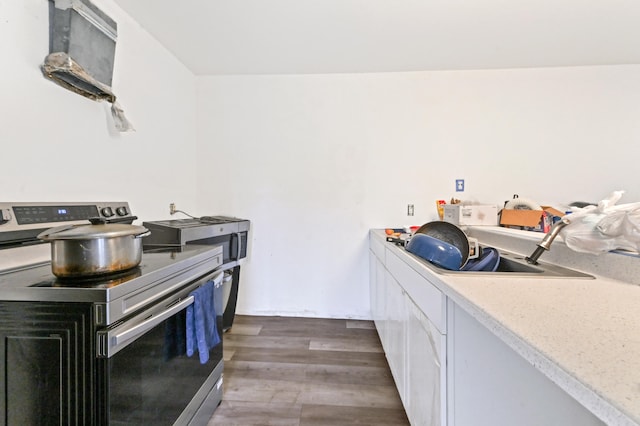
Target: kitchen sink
(515, 265)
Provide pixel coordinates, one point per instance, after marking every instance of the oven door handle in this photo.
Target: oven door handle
(151, 322)
(112, 341)
(239, 252)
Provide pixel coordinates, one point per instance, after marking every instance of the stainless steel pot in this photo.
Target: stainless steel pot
(94, 249)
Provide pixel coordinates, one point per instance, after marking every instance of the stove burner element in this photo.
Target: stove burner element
(105, 280)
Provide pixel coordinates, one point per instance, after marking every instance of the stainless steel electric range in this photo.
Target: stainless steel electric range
(231, 233)
(101, 351)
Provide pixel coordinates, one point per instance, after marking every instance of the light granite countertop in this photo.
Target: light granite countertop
(583, 334)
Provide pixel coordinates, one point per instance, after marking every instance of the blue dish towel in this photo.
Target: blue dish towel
(202, 330)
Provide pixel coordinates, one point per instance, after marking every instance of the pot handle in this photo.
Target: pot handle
(144, 234)
(103, 220)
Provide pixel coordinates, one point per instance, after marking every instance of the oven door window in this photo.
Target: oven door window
(152, 380)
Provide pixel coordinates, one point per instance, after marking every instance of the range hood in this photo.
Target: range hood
(82, 45)
(66, 72)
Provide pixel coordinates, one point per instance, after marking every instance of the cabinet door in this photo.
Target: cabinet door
(490, 384)
(395, 345)
(381, 301)
(377, 295)
(373, 284)
(425, 295)
(425, 370)
(46, 364)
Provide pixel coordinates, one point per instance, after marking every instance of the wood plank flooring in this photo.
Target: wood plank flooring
(305, 372)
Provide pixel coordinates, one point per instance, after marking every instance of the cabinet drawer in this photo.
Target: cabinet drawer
(377, 247)
(425, 295)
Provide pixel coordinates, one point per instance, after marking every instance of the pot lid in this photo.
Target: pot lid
(88, 232)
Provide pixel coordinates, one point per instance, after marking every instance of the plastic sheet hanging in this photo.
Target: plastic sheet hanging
(64, 71)
(605, 227)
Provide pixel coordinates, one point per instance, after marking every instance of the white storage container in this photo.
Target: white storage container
(462, 215)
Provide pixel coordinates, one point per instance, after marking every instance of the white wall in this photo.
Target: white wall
(59, 146)
(315, 161)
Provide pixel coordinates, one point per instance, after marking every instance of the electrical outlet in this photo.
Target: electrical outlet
(459, 185)
(172, 208)
(409, 209)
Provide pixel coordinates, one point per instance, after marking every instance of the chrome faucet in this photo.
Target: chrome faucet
(545, 244)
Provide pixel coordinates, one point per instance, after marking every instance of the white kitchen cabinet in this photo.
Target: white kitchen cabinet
(377, 293)
(395, 344)
(491, 385)
(425, 369)
(410, 324)
(425, 295)
(373, 288)
(389, 312)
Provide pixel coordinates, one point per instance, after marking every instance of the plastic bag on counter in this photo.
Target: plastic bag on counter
(605, 227)
(622, 223)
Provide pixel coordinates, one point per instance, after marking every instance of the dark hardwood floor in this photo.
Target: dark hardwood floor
(303, 371)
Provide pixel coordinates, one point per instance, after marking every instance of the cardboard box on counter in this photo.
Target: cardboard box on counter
(529, 220)
(470, 215)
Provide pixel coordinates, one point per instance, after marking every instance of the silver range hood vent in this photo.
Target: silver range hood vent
(82, 45)
(86, 34)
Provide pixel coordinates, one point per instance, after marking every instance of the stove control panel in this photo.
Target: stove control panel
(25, 216)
